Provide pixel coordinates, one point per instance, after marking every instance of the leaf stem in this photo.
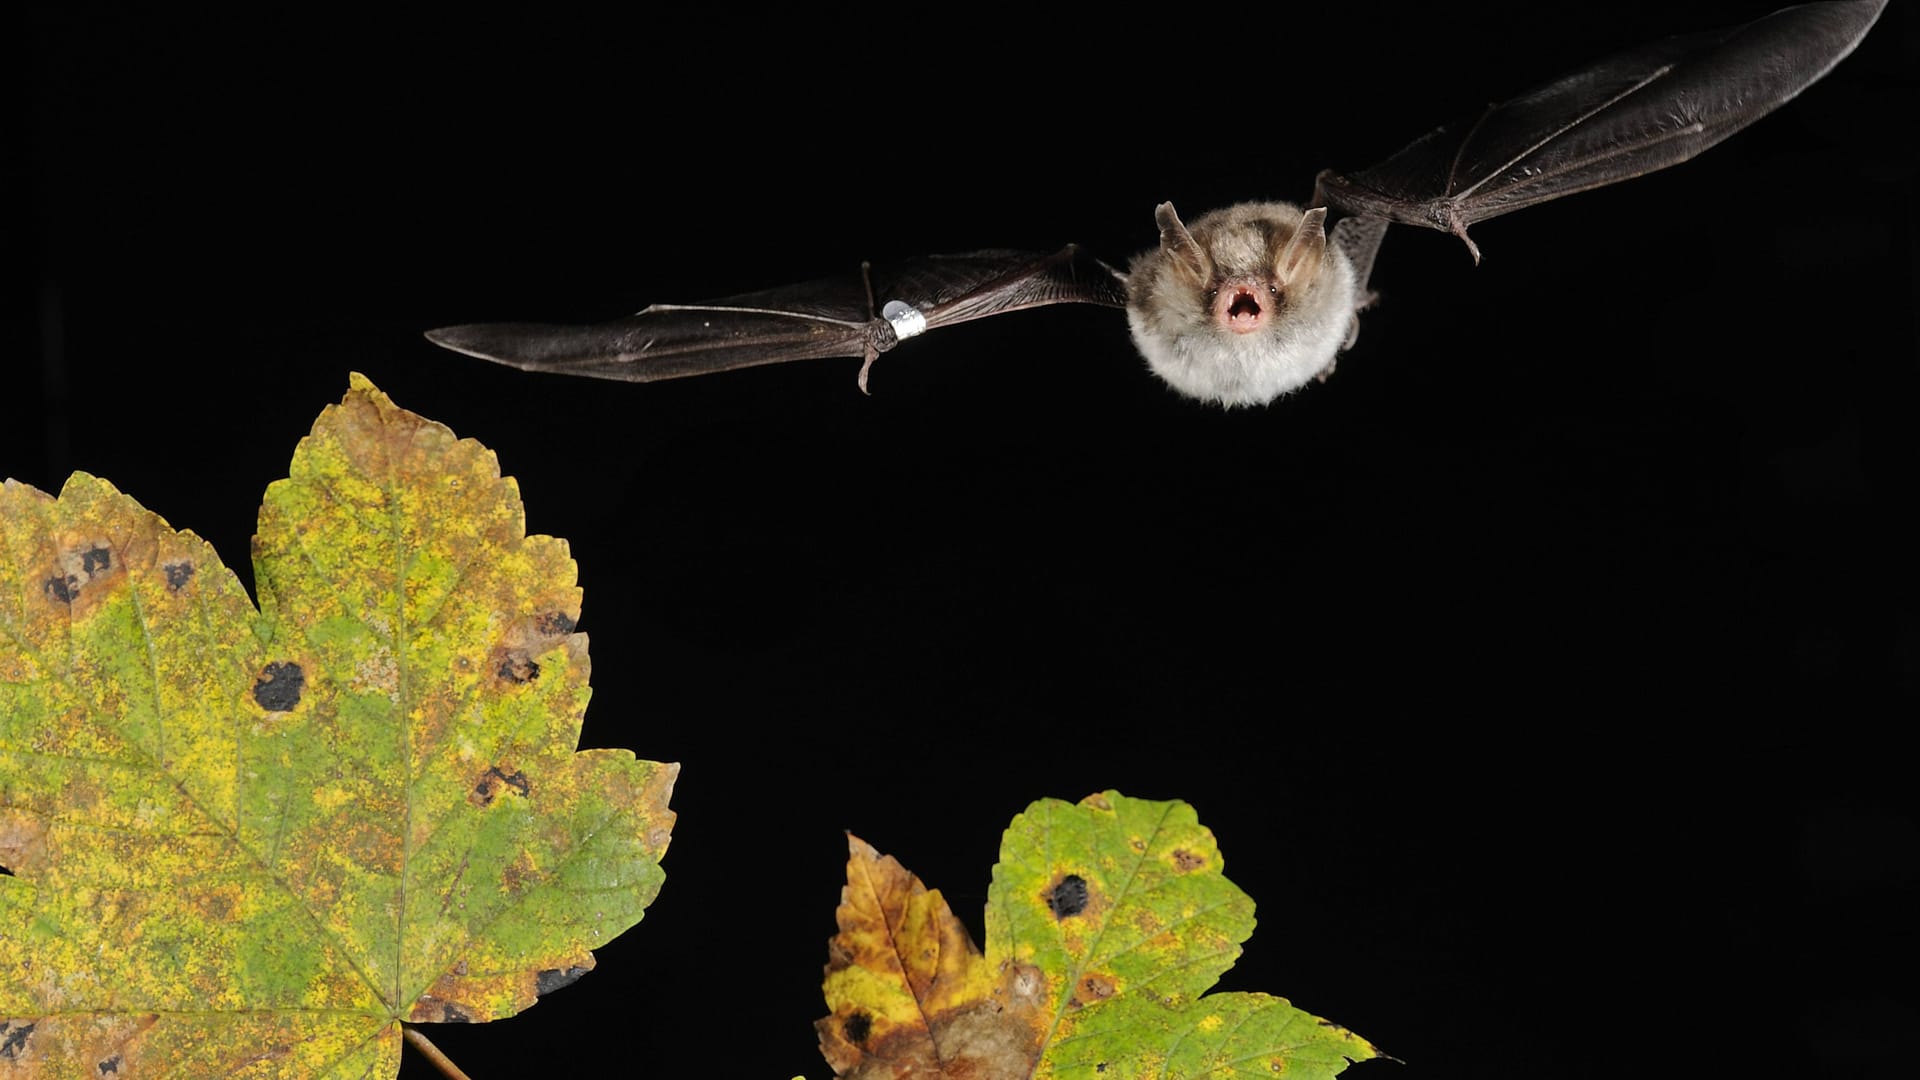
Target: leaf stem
(425, 1046)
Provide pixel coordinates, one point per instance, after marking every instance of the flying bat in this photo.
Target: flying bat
(1255, 300)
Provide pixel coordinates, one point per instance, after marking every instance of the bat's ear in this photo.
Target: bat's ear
(1299, 261)
(1179, 246)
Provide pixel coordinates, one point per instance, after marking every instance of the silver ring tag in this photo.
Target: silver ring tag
(906, 319)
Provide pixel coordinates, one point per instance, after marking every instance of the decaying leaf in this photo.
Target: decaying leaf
(250, 843)
(1106, 923)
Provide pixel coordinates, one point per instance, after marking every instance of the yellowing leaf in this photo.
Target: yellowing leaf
(904, 980)
(1106, 922)
(250, 843)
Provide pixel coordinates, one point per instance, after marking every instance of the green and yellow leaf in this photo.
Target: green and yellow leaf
(1106, 923)
(250, 843)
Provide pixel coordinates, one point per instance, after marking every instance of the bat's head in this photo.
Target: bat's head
(1246, 305)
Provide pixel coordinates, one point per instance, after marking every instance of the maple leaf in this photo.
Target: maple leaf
(251, 843)
(1106, 922)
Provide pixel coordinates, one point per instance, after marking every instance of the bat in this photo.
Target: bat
(1255, 300)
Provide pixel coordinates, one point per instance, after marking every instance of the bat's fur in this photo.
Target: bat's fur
(1176, 327)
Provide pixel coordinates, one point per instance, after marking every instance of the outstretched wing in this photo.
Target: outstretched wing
(1632, 113)
(863, 314)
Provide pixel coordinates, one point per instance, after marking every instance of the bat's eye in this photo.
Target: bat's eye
(1274, 289)
(1211, 294)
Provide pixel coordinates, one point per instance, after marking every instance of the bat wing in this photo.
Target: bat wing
(862, 314)
(1629, 114)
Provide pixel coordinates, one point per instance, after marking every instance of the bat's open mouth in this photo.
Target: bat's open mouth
(1240, 309)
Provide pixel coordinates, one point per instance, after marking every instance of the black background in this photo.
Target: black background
(1539, 674)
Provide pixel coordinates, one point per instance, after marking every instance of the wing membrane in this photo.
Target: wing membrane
(811, 320)
(1627, 115)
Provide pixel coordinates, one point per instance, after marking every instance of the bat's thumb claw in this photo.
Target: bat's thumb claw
(866, 366)
(1473, 249)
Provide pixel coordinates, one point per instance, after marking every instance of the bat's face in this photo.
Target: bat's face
(1247, 305)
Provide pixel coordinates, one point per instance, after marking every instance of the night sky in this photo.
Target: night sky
(1539, 674)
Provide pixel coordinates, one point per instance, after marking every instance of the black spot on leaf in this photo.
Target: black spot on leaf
(554, 978)
(555, 623)
(178, 574)
(13, 1039)
(453, 1014)
(110, 1066)
(96, 559)
(518, 667)
(488, 784)
(858, 1027)
(63, 587)
(278, 686)
(1068, 897)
